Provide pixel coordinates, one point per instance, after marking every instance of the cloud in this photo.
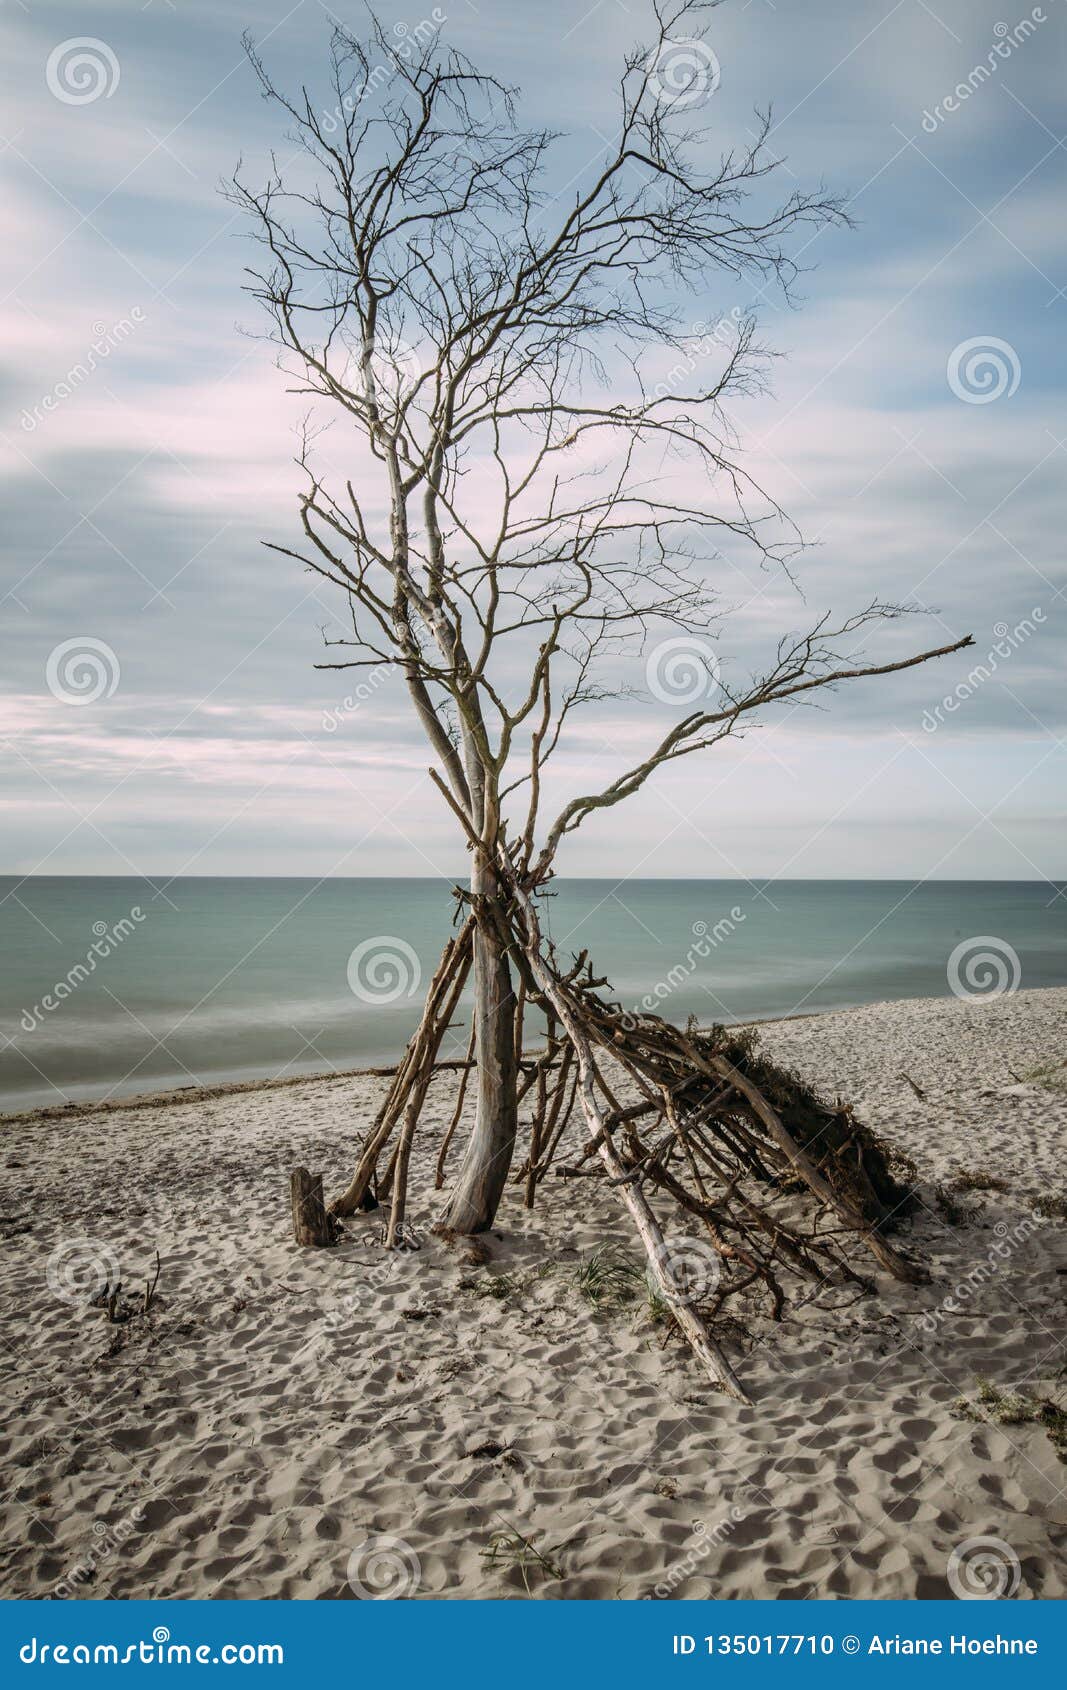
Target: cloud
(136, 502)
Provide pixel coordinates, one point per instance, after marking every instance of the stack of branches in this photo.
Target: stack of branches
(783, 1186)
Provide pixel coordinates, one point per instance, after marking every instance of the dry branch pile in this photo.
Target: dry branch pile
(782, 1185)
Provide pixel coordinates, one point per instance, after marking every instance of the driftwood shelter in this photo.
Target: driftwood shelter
(718, 1135)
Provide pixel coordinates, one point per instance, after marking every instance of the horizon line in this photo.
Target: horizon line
(591, 879)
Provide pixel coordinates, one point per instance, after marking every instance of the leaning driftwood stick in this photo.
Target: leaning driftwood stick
(311, 1224)
(420, 1055)
(446, 1142)
(699, 1338)
(456, 978)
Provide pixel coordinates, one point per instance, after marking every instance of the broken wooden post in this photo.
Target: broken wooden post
(311, 1224)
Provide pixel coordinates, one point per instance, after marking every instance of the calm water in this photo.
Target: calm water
(212, 980)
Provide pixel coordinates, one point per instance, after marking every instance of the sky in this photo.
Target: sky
(915, 431)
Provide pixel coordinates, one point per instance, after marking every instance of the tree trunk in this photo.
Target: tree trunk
(487, 1160)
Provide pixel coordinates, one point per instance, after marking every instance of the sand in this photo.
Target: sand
(339, 1423)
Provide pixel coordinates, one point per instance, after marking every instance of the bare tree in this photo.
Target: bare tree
(543, 470)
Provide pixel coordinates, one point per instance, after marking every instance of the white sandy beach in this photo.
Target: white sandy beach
(280, 1410)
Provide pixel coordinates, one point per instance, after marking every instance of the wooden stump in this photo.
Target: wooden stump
(311, 1224)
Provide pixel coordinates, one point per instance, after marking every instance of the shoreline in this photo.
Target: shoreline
(177, 1095)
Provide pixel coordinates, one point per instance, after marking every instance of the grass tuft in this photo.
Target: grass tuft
(1015, 1408)
(608, 1277)
(1053, 1076)
(500, 1286)
(980, 1179)
(508, 1548)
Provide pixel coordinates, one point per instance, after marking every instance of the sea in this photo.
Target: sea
(115, 986)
